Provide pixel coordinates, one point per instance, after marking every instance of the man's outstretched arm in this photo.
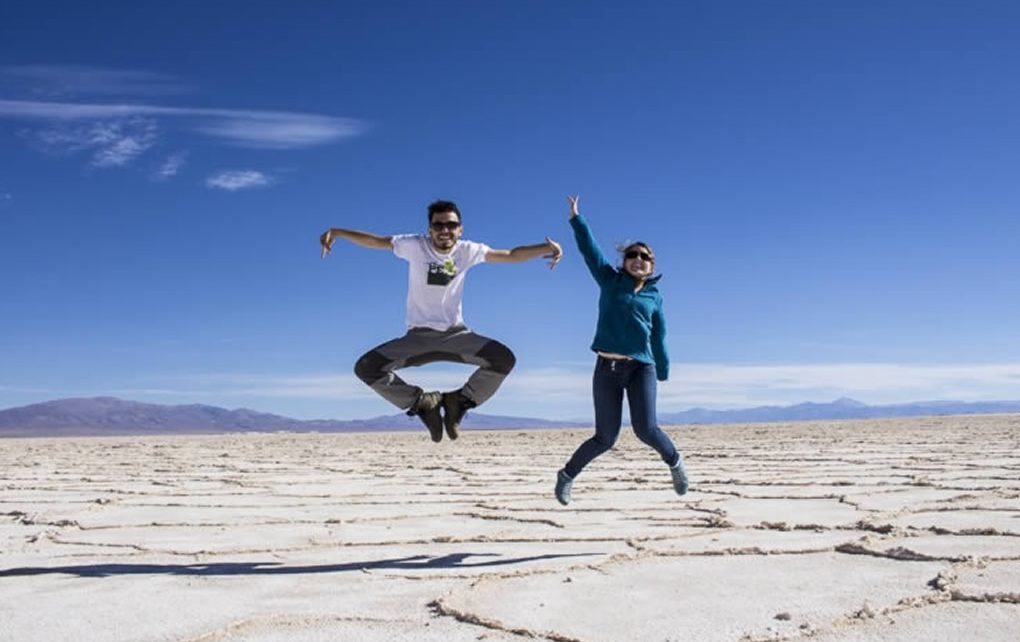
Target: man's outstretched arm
(364, 239)
(550, 250)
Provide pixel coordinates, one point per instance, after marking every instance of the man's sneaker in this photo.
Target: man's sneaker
(455, 406)
(428, 409)
(563, 485)
(679, 476)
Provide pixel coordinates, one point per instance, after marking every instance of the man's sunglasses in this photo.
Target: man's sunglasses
(645, 256)
(444, 225)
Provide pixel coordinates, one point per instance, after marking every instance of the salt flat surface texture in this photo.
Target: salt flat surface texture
(863, 530)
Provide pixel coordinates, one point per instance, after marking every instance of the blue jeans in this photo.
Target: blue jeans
(611, 379)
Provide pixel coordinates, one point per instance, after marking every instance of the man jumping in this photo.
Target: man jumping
(435, 325)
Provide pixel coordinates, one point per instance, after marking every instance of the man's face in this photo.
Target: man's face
(444, 230)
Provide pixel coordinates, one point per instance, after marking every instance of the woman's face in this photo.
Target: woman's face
(639, 261)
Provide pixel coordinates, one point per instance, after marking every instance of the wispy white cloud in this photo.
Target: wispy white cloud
(875, 383)
(74, 80)
(23, 389)
(113, 143)
(124, 147)
(171, 165)
(244, 128)
(278, 130)
(565, 393)
(321, 387)
(234, 180)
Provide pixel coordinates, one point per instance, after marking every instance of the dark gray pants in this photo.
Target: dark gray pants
(424, 345)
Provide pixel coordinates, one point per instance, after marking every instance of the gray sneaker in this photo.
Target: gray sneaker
(455, 406)
(428, 409)
(563, 484)
(679, 476)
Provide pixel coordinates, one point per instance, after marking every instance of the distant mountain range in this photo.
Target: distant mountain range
(112, 416)
(839, 409)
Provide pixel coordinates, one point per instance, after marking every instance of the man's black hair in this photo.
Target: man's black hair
(438, 207)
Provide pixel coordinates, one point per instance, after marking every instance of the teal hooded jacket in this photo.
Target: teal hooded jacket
(630, 323)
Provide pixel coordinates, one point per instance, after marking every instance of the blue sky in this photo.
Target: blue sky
(831, 189)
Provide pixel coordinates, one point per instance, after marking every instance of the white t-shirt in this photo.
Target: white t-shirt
(435, 282)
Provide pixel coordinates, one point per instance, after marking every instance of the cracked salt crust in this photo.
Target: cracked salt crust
(834, 530)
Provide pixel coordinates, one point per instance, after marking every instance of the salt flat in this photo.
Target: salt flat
(860, 530)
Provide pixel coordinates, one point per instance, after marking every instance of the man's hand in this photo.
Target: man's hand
(573, 205)
(555, 254)
(326, 240)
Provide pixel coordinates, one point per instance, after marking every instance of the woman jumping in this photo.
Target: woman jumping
(630, 340)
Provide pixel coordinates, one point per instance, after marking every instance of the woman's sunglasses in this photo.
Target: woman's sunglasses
(645, 256)
(444, 225)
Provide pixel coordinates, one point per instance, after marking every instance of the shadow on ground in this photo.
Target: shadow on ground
(413, 563)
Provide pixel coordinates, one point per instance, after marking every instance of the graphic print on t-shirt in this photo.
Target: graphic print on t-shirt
(441, 273)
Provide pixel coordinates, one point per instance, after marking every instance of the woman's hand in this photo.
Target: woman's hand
(573, 205)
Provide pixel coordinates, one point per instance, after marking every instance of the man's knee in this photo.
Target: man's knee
(498, 356)
(371, 367)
